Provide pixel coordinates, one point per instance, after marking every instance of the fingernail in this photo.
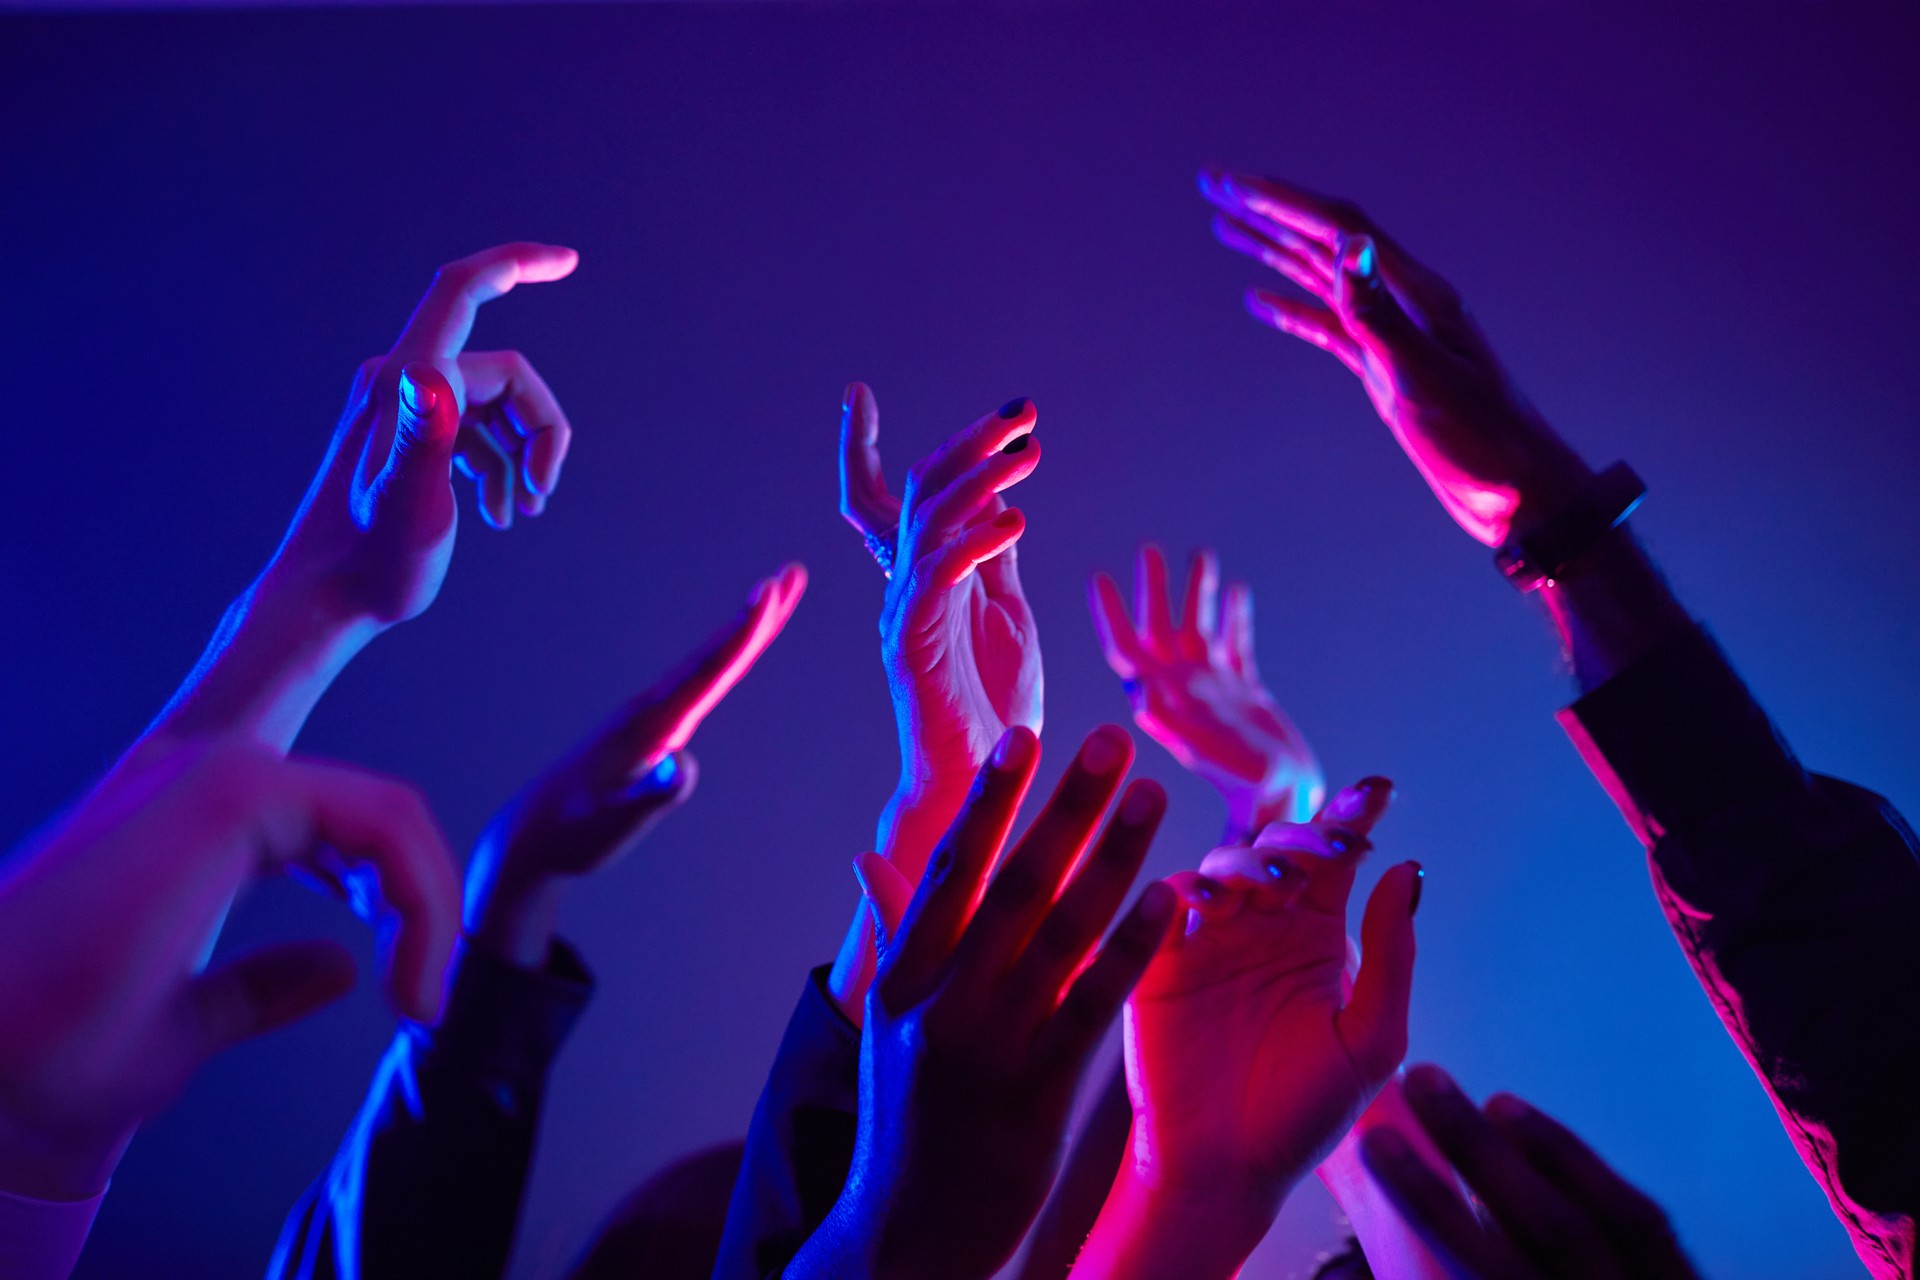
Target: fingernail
(1207, 889)
(1018, 444)
(846, 398)
(1003, 750)
(1505, 1106)
(418, 399)
(1013, 408)
(1100, 754)
(1157, 902)
(866, 890)
(1361, 257)
(1277, 868)
(663, 775)
(1340, 842)
(1374, 783)
(1429, 1081)
(1130, 687)
(1007, 519)
(1419, 887)
(1142, 802)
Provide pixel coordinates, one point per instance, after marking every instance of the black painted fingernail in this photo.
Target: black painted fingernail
(1419, 887)
(1375, 783)
(1339, 842)
(1277, 868)
(1018, 444)
(1013, 408)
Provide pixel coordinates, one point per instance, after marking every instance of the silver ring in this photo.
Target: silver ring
(882, 551)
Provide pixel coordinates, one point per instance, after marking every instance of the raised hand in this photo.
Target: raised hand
(377, 526)
(958, 640)
(1488, 455)
(370, 544)
(1196, 690)
(1247, 1059)
(594, 804)
(103, 923)
(981, 1020)
(1551, 1207)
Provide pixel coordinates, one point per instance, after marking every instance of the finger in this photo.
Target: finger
(265, 990)
(483, 459)
(948, 567)
(1370, 312)
(1637, 1226)
(1237, 631)
(1319, 219)
(384, 826)
(1000, 572)
(1308, 321)
(426, 426)
(942, 514)
(1088, 1010)
(943, 902)
(1152, 603)
(1207, 896)
(1082, 913)
(1541, 1222)
(968, 448)
(1200, 619)
(1311, 271)
(1270, 877)
(1113, 627)
(864, 501)
(664, 718)
(887, 894)
(1435, 1210)
(1373, 1026)
(509, 380)
(440, 324)
(1359, 807)
(1028, 881)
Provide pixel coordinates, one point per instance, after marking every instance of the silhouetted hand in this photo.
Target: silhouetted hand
(980, 1021)
(961, 651)
(1488, 455)
(1196, 690)
(376, 529)
(593, 805)
(1552, 1208)
(103, 924)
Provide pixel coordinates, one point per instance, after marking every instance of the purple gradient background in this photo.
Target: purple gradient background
(1682, 225)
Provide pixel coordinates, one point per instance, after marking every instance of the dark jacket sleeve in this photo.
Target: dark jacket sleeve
(800, 1144)
(1796, 898)
(429, 1179)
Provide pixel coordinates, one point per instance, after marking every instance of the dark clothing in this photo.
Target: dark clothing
(428, 1181)
(800, 1145)
(1797, 901)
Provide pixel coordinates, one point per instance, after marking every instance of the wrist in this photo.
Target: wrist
(1149, 1228)
(509, 914)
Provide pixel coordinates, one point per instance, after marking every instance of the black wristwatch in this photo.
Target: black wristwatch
(1544, 554)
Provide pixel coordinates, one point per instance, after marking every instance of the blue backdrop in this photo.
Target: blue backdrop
(1689, 229)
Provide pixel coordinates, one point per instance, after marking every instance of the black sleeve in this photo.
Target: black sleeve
(800, 1144)
(1796, 898)
(428, 1181)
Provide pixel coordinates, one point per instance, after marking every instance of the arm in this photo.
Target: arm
(1249, 1054)
(957, 638)
(430, 1177)
(370, 544)
(1196, 690)
(101, 925)
(1792, 895)
(981, 1019)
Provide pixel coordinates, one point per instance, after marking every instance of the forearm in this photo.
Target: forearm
(275, 653)
(916, 816)
(1612, 607)
(1148, 1233)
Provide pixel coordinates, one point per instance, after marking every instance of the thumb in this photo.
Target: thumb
(265, 990)
(887, 893)
(428, 422)
(1374, 1024)
(1368, 308)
